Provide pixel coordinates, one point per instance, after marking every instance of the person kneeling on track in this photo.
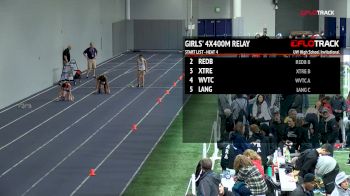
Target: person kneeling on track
(65, 92)
(102, 81)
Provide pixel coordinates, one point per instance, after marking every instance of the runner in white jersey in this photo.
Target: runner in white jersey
(141, 69)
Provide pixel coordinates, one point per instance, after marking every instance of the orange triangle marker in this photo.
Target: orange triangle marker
(92, 172)
(167, 92)
(174, 84)
(159, 100)
(180, 78)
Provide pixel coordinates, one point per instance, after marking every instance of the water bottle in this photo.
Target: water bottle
(269, 171)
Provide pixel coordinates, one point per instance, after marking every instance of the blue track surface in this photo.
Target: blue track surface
(50, 148)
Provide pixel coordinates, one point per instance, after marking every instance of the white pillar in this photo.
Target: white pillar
(127, 9)
(193, 184)
(237, 8)
(191, 18)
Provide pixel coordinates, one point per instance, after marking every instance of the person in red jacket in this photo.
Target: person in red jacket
(256, 160)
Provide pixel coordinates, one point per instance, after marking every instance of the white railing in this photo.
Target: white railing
(215, 134)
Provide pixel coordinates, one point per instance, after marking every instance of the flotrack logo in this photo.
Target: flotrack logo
(316, 13)
(314, 43)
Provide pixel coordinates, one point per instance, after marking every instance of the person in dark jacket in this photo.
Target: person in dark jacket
(235, 146)
(304, 135)
(312, 118)
(298, 103)
(224, 103)
(208, 181)
(306, 188)
(338, 108)
(286, 104)
(309, 161)
(292, 134)
(238, 138)
(278, 128)
(260, 143)
(329, 128)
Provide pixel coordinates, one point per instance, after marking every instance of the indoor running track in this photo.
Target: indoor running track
(49, 149)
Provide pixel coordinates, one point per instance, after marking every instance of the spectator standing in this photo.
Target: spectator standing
(348, 104)
(90, 54)
(208, 181)
(261, 112)
(278, 128)
(338, 105)
(306, 162)
(224, 103)
(236, 146)
(329, 128)
(292, 134)
(312, 118)
(298, 103)
(327, 168)
(260, 144)
(240, 109)
(286, 104)
(304, 135)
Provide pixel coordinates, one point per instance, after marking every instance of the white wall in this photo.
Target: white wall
(258, 14)
(206, 9)
(340, 8)
(348, 9)
(158, 9)
(35, 32)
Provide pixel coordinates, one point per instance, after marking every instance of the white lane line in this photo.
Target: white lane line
(63, 131)
(55, 115)
(55, 98)
(154, 146)
(37, 94)
(90, 137)
(117, 146)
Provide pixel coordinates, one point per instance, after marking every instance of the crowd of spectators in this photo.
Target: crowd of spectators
(255, 126)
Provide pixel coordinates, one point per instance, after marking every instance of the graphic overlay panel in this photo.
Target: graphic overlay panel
(261, 66)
